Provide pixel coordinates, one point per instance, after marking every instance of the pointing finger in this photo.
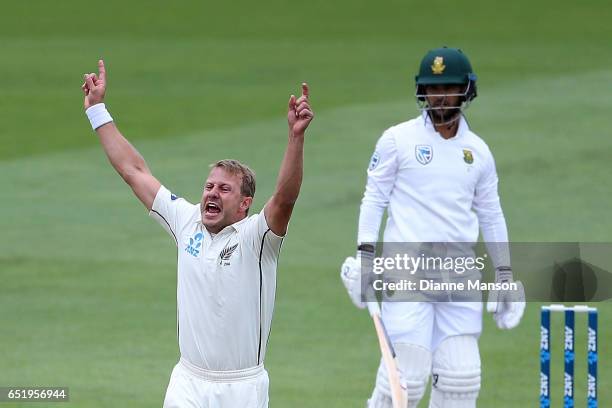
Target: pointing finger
(102, 70)
(305, 90)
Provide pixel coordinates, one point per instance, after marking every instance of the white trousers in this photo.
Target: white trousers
(193, 387)
(428, 324)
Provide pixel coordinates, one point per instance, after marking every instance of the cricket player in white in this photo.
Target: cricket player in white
(438, 183)
(226, 260)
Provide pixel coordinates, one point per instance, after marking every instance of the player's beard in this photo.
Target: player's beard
(444, 116)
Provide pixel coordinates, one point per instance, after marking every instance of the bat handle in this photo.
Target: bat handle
(373, 308)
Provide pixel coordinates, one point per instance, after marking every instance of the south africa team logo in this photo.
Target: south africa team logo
(423, 153)
(438, 66)
(468, 157)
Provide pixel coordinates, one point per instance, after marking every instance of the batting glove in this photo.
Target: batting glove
(507, 306)
(350, 272)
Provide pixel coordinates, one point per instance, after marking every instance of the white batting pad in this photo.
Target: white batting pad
(456, 373)
(414, 363)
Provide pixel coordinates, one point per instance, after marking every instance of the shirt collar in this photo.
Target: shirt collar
(235, 226)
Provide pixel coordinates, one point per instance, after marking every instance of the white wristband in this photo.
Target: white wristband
(98, 115)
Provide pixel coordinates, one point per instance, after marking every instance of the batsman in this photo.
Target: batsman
(438, 183)
(226, 259)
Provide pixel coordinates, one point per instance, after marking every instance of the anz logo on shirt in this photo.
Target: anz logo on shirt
(195, 245)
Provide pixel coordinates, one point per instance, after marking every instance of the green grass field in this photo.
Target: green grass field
(87, 281)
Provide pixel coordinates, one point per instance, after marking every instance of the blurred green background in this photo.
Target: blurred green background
(87, 281)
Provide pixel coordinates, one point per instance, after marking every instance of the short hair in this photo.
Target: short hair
(247, 187)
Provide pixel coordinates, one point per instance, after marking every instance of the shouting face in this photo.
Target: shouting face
(222, 202)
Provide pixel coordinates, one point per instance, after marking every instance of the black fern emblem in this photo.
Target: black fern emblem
(226, 254)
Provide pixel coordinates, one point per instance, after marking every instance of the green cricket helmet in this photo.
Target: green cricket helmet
(446, 66)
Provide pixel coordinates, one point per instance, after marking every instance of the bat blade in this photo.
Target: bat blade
(398, 393)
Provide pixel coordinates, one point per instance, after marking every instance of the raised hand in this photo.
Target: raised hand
(300, 114)
(94, 86)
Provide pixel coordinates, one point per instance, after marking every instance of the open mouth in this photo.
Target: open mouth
(212, 209)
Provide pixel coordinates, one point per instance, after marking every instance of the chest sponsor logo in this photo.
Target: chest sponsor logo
(468, 157)
(226, 254)
(194, 246)
(423, 153)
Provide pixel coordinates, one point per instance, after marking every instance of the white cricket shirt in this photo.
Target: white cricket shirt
(226, 285)
(434, 189)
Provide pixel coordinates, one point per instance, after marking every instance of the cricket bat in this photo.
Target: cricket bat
(398, 393)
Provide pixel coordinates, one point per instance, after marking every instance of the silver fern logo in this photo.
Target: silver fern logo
(226, 254)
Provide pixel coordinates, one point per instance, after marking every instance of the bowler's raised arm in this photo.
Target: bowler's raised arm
(122, 155)
(280, 206)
